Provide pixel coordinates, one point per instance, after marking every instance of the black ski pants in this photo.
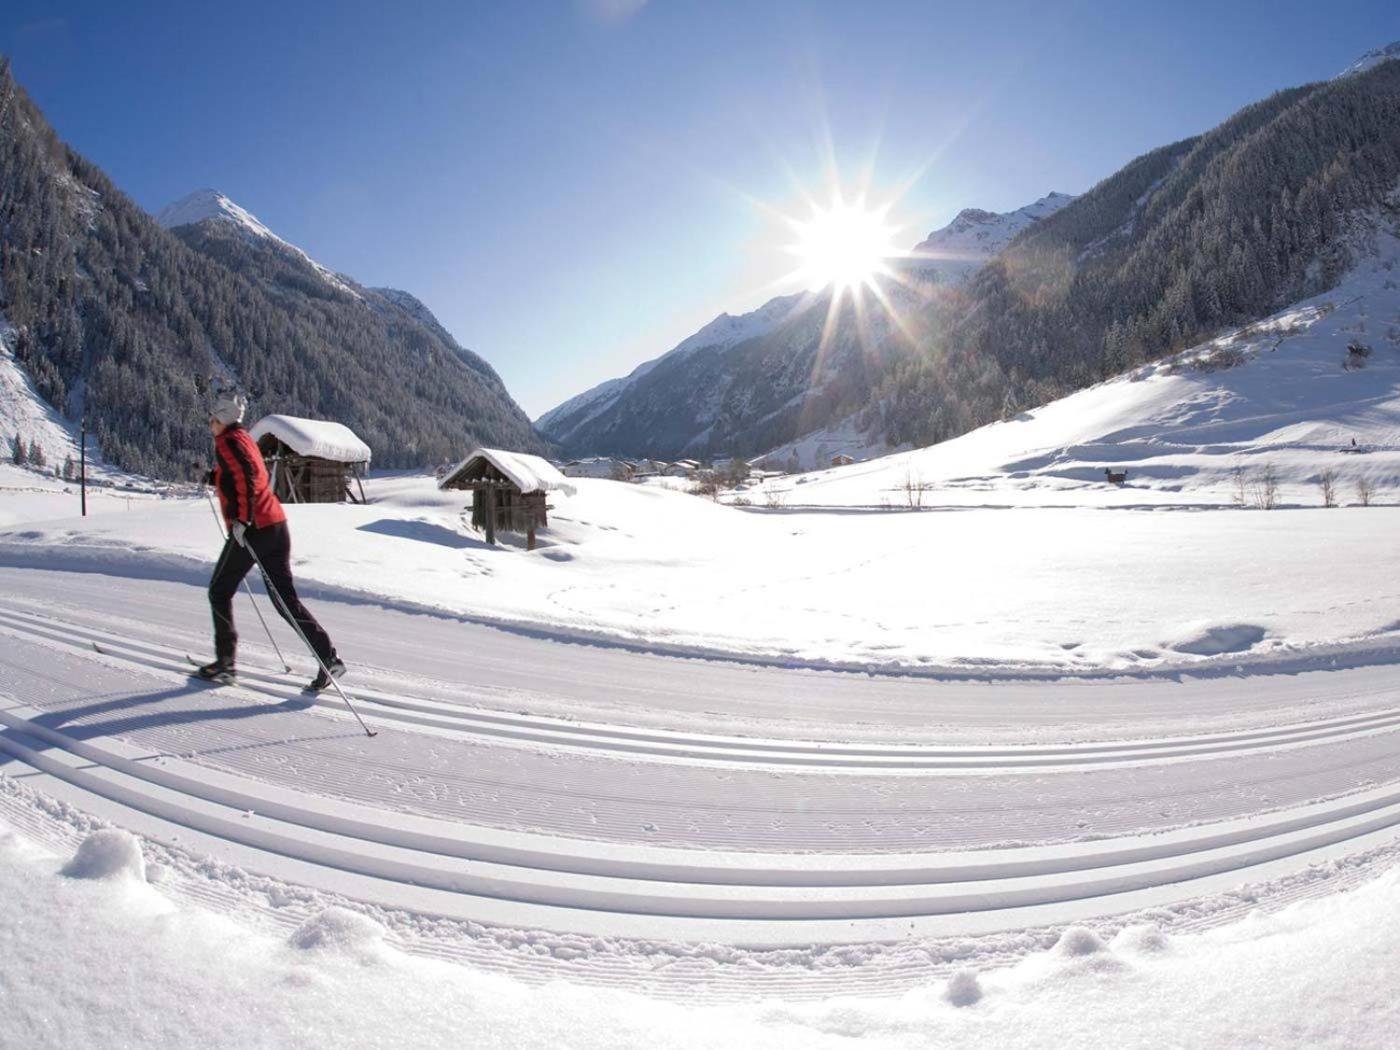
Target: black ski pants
(273, 546)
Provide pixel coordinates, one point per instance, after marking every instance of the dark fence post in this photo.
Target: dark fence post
(82, 466)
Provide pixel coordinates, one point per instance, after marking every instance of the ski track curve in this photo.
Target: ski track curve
(483, 820)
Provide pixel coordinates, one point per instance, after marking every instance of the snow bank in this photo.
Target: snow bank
(108, 854)
(314, 437)
(1078, 941)
(191, 977)
(963, 988)
(1141, 938)
(1219, 638)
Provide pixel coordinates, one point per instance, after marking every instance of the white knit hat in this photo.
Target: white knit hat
(229, 408)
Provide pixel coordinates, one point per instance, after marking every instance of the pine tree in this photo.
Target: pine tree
(69, 468)
(37, 459)
(19, 452)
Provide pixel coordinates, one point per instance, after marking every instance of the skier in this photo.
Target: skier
(257, 525)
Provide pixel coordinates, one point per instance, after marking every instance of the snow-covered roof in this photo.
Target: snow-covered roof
(314, 437)
(527, 473)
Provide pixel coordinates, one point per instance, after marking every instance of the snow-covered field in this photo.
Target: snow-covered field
(978, 591)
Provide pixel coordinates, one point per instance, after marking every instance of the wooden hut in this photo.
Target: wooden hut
(312, 460)
(509, 491)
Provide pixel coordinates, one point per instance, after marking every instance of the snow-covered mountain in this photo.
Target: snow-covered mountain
(208, 205)
(961, 248)
(725, 331)
(607, 417)
(1371, 59)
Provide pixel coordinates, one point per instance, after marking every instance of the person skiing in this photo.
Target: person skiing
(257, 525)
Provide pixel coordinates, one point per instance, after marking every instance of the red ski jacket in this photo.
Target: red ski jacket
(241, 480)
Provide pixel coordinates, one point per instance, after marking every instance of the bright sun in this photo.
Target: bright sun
(845, 245)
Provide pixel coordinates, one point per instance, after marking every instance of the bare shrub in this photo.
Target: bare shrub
(741, 501)
(1365, 490)
(1265, 490)
(1357, 353)
(1239, 496)
(1219, 359)
(706, 485)
(913, 489)
(1328, 483)
(774, 498)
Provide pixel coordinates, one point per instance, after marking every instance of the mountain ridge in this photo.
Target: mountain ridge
(947, 257)
(133, 325)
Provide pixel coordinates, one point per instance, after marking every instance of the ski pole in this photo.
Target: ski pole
(287, 615)
(276, 648)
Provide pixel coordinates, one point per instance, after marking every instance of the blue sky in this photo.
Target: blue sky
(572, 186)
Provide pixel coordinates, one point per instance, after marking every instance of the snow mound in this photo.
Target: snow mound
(1079, 941)
(1141, 939)
(963, 989)
(1220, 638)
(108, 854)
(338, 930)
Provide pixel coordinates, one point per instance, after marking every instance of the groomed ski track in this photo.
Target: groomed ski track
(608, 796)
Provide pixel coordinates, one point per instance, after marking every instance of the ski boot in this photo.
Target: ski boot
(217, 672)
(336, 666)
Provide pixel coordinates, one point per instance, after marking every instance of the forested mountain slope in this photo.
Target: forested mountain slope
(1182, 242)
(129, 322)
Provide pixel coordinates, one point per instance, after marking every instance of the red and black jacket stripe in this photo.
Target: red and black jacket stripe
(240, 477)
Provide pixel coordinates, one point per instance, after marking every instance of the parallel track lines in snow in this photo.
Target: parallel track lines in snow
(437, 715)
(436, 866)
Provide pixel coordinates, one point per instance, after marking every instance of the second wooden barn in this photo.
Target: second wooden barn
(510, 491)
(312, 460)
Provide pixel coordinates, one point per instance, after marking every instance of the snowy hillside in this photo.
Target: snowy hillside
(1284, 395)
(25, 414)
(212, 206)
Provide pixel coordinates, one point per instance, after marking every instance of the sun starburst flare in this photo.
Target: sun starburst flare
(844, 246)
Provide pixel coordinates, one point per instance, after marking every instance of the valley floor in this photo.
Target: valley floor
(1021, 591)
(566, 834)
